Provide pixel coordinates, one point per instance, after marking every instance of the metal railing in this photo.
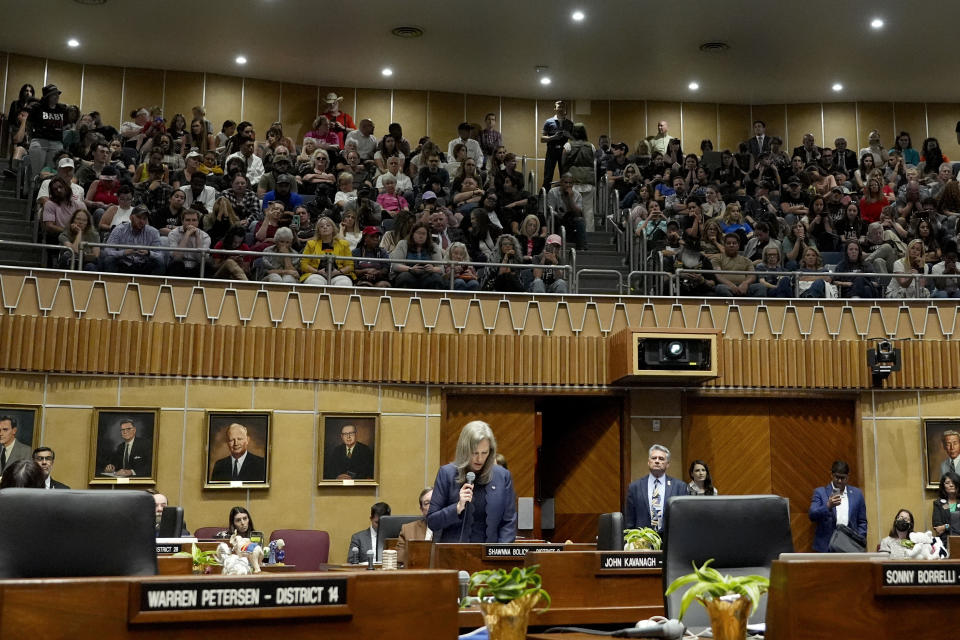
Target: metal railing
(60, 248)
(796, 275)
(329, 258)
(612, 273)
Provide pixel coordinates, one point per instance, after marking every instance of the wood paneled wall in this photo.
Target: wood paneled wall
(115, 91)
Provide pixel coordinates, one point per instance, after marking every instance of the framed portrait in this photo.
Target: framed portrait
(941, 448)
(19, 430)
(238, 450)
(349, 449)
(124, 446)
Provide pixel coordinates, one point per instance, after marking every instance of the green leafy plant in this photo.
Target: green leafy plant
(645, 538)
(503, 586)
(200, 558)
(710, 584)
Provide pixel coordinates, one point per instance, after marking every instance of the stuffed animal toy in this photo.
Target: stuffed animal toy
(926, 546)
(233, 565)
(251, 551)
(276, 553)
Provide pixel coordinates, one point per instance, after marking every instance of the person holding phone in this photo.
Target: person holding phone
(416, 247)
(837, 504)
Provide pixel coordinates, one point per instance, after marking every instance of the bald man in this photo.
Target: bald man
(240, 465)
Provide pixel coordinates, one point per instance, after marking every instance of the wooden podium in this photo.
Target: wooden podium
(846, 596)
(348, 605)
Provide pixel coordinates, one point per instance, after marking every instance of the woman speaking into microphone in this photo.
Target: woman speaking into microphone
(473, 498)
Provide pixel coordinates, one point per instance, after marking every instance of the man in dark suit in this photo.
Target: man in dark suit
(133, 456)
(241, 465)
(11, 449)
(808, 151)
(367, 539)
(647, 496)
(44, 457)
(836, 504)
(760, 142)
(349, 460)
(416, 530)
(844, 159)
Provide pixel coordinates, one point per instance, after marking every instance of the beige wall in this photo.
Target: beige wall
(409, 442)
(115, 91)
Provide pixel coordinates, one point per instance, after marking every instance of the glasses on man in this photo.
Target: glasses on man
(43, 458)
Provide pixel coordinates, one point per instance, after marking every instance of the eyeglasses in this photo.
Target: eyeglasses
(43, 458)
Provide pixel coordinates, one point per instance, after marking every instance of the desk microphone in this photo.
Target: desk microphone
(656, 627)
(354, 557)
(464, 579)
(370, 555)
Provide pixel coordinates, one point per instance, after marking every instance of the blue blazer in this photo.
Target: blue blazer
(826, 518)
(637, 514)
(501, 507)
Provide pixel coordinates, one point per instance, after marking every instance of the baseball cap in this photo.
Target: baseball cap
(428, 195)
(285, 177)
(554, 239)
(194, 154)
(65, 162)
(371, 231)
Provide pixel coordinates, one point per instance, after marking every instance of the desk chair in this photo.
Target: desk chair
(743, 534)
(610, 532)
(68, 534)
(305, 548)
(207, 533)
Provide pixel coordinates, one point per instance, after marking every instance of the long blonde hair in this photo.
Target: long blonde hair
(472, 434)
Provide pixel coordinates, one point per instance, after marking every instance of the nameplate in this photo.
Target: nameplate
(503, 551)
(241, 594)
(631, 560)
(919, 575)
(169, 548)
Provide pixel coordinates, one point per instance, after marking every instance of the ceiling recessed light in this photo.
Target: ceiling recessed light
(545, 80)
(837, 86)
(876, 23)
(693, 86)
(241, 60)
(387, 71)
(73, 42)
(578, 16)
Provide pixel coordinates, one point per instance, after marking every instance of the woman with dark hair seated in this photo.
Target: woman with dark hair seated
(701, 484)
(855, 286)
(416, 248)
(899, 536)
(24, 474)
(946, 510)
(240, 523)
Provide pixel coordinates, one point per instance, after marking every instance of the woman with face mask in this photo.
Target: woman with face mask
(899, 536)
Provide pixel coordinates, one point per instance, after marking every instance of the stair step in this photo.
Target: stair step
(11, 203)
(9, 228)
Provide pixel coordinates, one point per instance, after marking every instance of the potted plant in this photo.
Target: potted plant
(506, 599)
(640, 539)
(729, 601)
(202, 560)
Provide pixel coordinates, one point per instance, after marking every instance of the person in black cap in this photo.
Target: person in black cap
(46, 121)
(284, 193)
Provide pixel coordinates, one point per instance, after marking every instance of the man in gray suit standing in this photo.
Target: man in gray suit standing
(11, 449)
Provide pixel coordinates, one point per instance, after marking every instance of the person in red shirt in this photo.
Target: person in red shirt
(340, 122)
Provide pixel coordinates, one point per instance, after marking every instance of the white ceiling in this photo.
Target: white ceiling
(624, 49)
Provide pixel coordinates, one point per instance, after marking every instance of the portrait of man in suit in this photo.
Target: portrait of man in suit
(240, 464)
(11, 447)
(350, 452)
(125, 446)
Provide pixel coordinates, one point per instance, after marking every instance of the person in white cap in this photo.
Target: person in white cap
(340, 122)
(65, 171)
(549, 280)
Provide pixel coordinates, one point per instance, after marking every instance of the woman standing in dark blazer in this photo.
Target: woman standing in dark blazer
(946, 510)
(482, 511)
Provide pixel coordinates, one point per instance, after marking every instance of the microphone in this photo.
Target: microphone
(657, 627)
(464, 579)
(370, 555)
(354, 557)
(471, 476)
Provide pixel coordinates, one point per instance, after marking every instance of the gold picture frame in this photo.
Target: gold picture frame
(111, 427)
(362, 468)
(253, 470)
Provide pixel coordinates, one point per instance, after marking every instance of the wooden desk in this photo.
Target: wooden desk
(583, 593)
(405, 605)
(953, 544)
(423, 554)
(174, 566)
(846, 599)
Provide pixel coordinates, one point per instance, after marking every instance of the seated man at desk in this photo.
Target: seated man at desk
(367, 539)
(416, 530)
(160, 503)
